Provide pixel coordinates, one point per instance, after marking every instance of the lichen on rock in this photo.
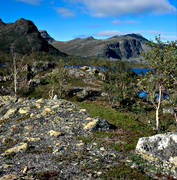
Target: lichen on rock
(160, 150)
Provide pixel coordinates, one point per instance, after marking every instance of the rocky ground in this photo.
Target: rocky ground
(50, 138)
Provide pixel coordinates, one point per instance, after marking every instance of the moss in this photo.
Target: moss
(84, 139)
(81, 83)
(142, 164)
(129, 129)
(22, 118)
(122, 171)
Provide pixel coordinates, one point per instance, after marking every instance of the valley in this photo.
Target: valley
(74, 109)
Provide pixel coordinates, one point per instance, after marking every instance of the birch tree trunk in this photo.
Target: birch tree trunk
(158, 107)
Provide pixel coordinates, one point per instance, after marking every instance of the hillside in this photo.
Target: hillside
(46, 36)
(24, 37)
(117, 47)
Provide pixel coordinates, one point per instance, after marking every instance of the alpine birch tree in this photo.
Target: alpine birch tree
(162, 78)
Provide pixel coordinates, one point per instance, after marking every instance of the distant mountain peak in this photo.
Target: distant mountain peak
(132, 35)
(90, 38)
(25, 37)
(137, 36)
(127, 46)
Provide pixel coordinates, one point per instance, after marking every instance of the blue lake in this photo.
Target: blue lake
(140, 71)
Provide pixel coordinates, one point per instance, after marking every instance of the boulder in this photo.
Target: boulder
(98, 124)
(161, 151)
(84, 68)
(82, 93)
(55, 97)
(40, 66)
(22, 147)
(168, 110)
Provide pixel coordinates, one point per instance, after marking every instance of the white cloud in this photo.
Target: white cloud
(33, 2)
(102, 8)
(115, 32)
(108, 33)
(118, 22)
(147, 32)
(169, 37)
(64, 12)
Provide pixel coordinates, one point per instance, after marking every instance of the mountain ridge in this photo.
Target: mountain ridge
(23, 37)
(116, 47)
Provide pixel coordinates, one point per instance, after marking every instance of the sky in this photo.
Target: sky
(68, 19)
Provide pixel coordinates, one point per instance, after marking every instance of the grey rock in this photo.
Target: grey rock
(43, 137)
(41, 66)
(46, 36)
(168, 110)
(160, 150)
(82, 95)
(55, 97)
(103, 125)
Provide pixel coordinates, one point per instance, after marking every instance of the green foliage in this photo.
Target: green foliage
(166, 122)
(58, 79)
(142, 164)
(163, 60)
(41, 56)
(130, 127)
(119, 84)
(122, 171)
(84, 139)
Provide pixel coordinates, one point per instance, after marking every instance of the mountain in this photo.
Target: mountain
(46, 36)
(117, 47)
(23, 37)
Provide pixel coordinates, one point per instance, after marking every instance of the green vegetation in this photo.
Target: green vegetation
(130, 127)
(122, 171)
(134, 117)
(120, 83)
(163, 60)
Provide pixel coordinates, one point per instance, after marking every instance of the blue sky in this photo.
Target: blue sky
(68, 19)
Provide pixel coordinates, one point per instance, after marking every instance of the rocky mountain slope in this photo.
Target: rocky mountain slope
(46, 36)
(54, 139)
(24, 37)
(50, 138)
(117, 47)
